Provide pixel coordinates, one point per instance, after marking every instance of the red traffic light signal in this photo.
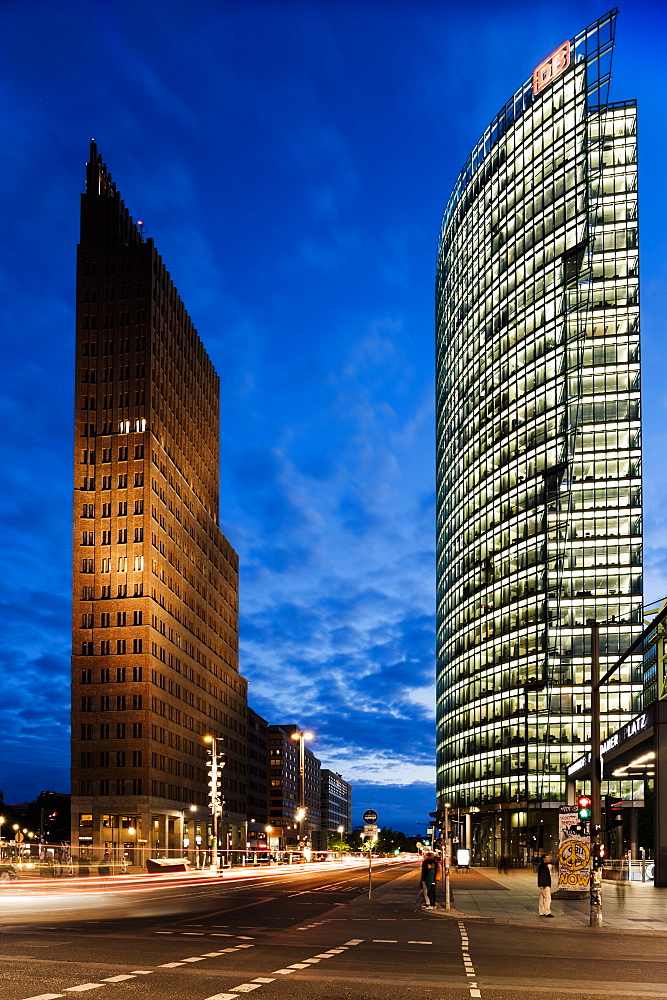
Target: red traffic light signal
(598, 856)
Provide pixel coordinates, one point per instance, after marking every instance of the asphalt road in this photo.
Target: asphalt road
(310, 935)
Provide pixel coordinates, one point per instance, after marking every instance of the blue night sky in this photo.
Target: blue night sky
(292, 162)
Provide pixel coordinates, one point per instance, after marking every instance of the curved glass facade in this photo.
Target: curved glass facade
(538, 434)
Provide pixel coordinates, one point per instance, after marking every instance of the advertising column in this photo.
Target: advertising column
(574, 854)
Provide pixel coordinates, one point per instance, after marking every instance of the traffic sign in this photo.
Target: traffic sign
(370, 816)
(18, 837)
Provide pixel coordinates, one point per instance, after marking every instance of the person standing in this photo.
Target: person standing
(429, 874)
(544, 885)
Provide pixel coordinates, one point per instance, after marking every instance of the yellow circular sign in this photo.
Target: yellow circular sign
(573, 855)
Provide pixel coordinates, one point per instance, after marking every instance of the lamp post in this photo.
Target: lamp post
(445, 855)
(269, 831)
(301, 737)
(299, 817)
(2, 823)
(131, 832)
(340, 831)
(186, 835)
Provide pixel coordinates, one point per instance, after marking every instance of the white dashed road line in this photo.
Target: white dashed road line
(256, 983)
(46, 996)
(84, 988)
(467, 962)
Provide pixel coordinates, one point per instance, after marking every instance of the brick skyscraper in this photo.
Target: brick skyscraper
(155, 582)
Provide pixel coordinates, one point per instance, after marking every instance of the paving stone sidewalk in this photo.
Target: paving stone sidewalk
(629, 907)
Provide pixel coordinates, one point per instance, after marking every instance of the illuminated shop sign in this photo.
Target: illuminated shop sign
(551, 67)
(580, 763)
(628, 731)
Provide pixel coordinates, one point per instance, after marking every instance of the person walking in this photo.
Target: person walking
(429, 875)
(544, 885)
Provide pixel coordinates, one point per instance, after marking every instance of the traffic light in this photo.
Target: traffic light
(613, 812)
(584, 807)
(598, 856)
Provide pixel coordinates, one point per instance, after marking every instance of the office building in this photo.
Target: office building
(285, 792)
(257, 730)
(155, 582)
(538, 443)
(336, 806)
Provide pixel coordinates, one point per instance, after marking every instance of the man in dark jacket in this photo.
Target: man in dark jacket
(429, 874)
(544, 885)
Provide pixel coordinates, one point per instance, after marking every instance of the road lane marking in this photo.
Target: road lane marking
(283, 972)
(261, 979)
(475, 992)
(223, 996)
(143, 972)
(47, 996)
(196, 958)
(324, 955)
(84, 988)
(246, 987)
(297, 965)
(354, 941)
(171, 965)
(243, 906)
(213, 954)
(420, 942)
(116, 979)
(385, 941)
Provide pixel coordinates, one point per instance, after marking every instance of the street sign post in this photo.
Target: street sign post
(370, 818)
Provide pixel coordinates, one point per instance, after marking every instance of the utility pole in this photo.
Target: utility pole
(596, 814)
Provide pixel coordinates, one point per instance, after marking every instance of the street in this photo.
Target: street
(306, 934)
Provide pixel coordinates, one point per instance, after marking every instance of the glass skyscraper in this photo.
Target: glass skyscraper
(538, 441)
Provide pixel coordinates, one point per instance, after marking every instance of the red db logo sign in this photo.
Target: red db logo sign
(551, 67)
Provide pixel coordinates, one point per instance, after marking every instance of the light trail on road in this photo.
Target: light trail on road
(144, 895)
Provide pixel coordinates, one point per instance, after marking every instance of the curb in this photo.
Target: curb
(508, 922)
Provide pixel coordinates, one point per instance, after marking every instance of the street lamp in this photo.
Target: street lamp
(301, 737)
(2, 822)
(445, 855)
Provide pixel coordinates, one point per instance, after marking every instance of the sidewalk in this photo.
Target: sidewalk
(629, 907)
(626, 906)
